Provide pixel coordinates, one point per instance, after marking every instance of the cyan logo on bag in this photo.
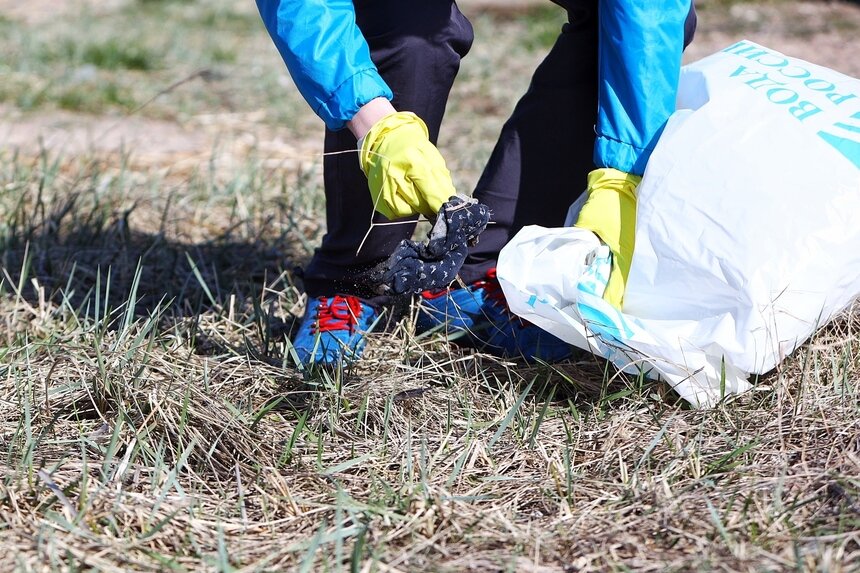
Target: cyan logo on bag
(806, 92)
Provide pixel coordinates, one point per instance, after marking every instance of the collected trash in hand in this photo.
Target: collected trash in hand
(415, 267)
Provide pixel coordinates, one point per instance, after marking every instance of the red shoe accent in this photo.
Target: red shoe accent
(433, 294)
(492, 288)
(339, 313)
(490, 283)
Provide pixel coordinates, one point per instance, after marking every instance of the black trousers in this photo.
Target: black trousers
(417, 46)
(537, 168)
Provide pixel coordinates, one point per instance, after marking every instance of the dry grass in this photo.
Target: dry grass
(152, 418)
(152, 421)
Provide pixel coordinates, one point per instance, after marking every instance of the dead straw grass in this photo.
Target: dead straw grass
(152, 421)
(150, 418)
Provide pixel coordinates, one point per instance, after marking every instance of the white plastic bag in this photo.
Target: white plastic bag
(748, 231)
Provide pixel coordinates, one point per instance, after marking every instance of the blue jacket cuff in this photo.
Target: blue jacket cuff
(349, 96)
(619, 155)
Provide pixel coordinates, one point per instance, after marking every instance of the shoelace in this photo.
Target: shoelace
(337, 313)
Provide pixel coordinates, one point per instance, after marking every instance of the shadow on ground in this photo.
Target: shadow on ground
(86, 259)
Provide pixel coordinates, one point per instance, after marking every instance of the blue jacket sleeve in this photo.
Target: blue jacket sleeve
(641, 44)
(326, 54)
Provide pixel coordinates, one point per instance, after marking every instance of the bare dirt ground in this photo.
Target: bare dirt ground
(37, 11)
(825, 33)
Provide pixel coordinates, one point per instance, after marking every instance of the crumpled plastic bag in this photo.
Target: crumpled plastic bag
(747, 237)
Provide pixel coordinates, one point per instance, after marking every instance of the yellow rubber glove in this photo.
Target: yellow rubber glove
(405, 172)
(610, 213)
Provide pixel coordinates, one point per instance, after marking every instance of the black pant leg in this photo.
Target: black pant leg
(417, 46)
(545, 150)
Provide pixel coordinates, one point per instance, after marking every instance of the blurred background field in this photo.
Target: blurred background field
(200, 81)
(160, 180)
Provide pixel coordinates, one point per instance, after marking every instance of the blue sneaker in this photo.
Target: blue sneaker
(481, 313)
(459, 310)
(333, 330)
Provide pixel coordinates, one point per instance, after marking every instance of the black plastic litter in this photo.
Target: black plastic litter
(415, 267)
